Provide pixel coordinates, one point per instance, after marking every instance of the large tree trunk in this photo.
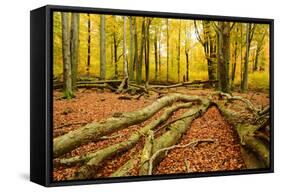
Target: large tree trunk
(102, 48)
(93, 131)
(67, 79)
(74, 47)
(235, 55)
(223, 56)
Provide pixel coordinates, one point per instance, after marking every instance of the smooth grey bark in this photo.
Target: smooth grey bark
(67, 79)
(102, 48)
(75, 18)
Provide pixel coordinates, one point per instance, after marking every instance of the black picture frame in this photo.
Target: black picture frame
(41, 93)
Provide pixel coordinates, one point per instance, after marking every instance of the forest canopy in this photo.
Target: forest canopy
(176, 50)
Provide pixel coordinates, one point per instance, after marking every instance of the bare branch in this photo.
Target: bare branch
(197, 34)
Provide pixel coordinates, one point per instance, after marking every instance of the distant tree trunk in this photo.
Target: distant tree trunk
(125, 64)
(209, 44)
(179, 51)
(241, 53)
(115, 45)
(167, 23)
(156, 54)
(223, 55)
(187, 65)
(147, 50)
(249, 35)
(235, 55)
(66, 56)
(74, 47)
(131, 65)
(159, 53)
(102, 48)
(89, 46)
(139, 69)
(258, 50)
(136, 60)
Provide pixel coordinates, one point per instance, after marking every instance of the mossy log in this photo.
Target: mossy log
(93, 131)
(177, 129)
(247, 137)
(92, 161)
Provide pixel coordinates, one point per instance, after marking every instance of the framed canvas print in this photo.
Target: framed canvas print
(124, 95)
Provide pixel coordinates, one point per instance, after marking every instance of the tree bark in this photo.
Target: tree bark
(93, 161)
(89, 46)
(74, 47)
(67, 79)
(132, 61)
(139, 68)
(179, 50)
(177, 129)
(249, 35)
(167, 36)
(102, 48)
(93, 131)
(223, 56)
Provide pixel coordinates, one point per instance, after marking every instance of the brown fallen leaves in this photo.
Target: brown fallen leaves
(92, 105)
(219, 156)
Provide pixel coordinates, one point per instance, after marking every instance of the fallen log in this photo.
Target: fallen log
(92, 161)
(93, 131)
(246, 133)
(177, 129)
(183, 84)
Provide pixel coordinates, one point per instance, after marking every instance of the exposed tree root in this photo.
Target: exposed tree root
(155, 149)
(93, 131)
(94, 160)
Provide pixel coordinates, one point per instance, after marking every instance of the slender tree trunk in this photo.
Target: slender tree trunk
(234, 57)
(74, 47)
(102, 48)
(139, 69)
(147, 51)
(241, 53)
(115, 50)
(125, 64)
(179, 50)
(167, 77)
(67, 79)
(244, 87)
(131, 65)
(258, 50)
(156, 54)
(136, 59)
(89, 46)
(159, 53)
(187, 65)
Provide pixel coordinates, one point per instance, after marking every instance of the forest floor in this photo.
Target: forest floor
(95, 105)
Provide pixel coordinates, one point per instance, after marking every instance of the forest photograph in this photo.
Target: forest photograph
(142, 96)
